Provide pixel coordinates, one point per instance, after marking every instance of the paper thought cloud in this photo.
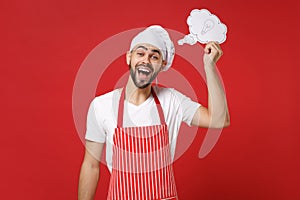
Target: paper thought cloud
(204, 27)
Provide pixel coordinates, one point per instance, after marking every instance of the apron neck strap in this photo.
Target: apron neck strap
(121, 108)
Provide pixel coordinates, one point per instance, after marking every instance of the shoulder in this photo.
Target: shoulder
(106, 100)
(168, 93)
(162, 91)
(174, 97)
(168, 97)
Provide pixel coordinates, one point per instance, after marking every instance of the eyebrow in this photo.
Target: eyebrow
(153, 50)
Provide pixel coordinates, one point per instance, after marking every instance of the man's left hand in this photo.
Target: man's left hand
(212, 53)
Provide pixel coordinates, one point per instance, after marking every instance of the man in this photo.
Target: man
(139, 123)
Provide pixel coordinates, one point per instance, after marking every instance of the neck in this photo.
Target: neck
(136, 95)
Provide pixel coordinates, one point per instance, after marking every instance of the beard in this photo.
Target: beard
(140, 78)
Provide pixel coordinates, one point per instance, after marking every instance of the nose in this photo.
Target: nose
(146, 59)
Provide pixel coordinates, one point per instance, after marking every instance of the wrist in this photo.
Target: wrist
(209, 66)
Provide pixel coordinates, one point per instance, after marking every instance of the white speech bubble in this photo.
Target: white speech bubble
(204, 27)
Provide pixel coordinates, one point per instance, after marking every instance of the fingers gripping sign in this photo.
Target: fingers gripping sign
(212, 53)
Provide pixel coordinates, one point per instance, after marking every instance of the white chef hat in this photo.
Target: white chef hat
(158, 37)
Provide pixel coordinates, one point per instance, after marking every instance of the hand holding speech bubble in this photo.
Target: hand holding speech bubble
(205, 27)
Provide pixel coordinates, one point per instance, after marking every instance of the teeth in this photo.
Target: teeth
(144, 70)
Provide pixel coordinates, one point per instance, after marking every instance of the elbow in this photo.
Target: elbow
(221, 123)
(90, 165)
(226, 124)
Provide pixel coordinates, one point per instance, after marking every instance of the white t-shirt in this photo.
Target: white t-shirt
(103, 114)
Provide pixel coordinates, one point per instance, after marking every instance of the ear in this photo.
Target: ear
(163, 65)
(128, 57)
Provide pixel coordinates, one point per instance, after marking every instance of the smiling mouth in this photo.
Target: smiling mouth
(144, 71)
(142, 75)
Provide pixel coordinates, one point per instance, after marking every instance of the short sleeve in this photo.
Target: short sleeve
(187, 106)
(94, 130)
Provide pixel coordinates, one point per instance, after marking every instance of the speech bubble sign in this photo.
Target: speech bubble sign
(204, 27)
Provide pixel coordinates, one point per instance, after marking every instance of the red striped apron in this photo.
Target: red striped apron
(141, 166)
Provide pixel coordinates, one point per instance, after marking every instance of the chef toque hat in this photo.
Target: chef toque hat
(158, 37)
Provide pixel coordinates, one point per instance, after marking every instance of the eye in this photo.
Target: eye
(154, 57)
(140, 53)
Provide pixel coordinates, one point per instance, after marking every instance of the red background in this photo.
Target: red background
(43, 44)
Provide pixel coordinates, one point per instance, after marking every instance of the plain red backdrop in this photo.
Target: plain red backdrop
(43, 44)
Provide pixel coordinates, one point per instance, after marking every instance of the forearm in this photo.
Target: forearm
(217, 103)
(88, 181)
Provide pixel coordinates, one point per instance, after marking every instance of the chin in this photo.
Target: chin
(144, 86)
(141, 86)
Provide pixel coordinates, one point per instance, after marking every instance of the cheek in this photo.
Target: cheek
(133, 62)
(158, 67)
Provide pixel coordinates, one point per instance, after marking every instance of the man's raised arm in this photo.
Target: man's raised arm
(216, 115)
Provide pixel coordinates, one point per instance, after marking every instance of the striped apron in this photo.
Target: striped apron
(141, 166)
